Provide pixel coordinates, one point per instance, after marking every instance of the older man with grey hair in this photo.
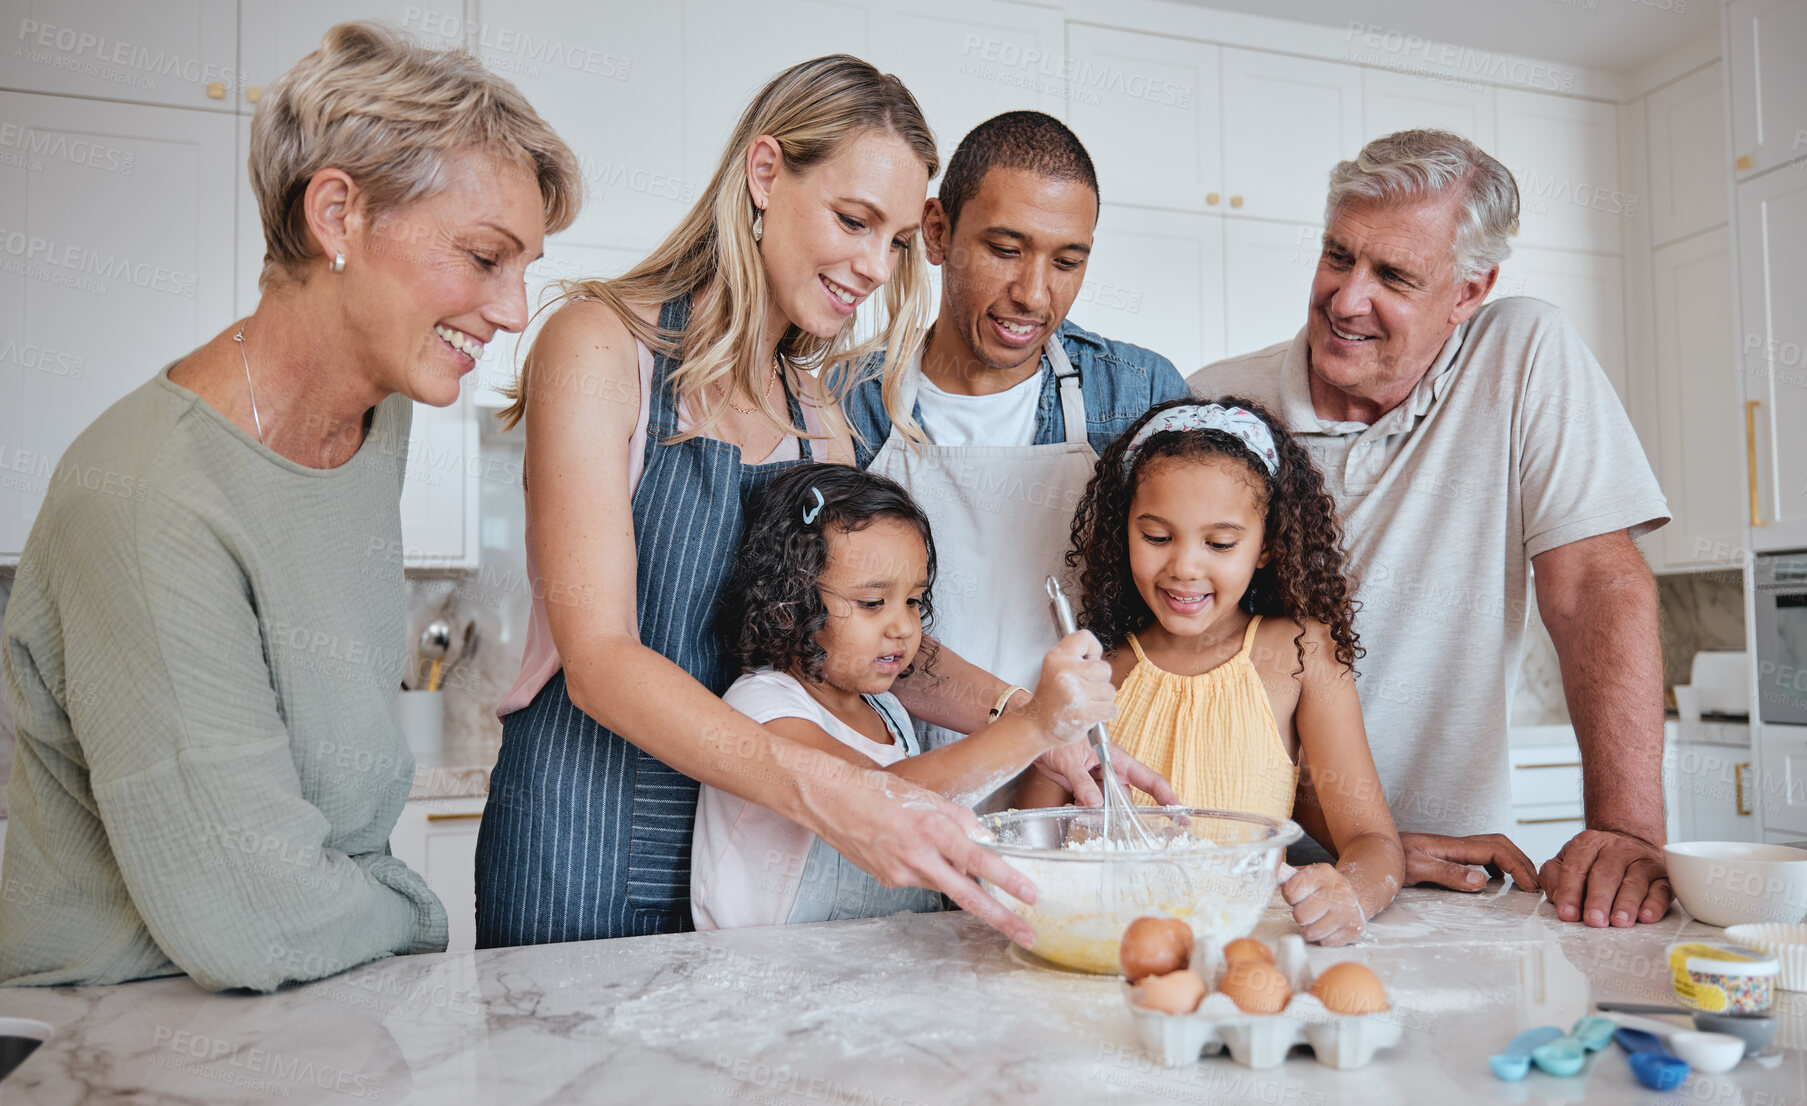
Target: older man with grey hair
(1466, 444)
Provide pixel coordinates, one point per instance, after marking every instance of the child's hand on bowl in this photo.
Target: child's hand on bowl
(1324, 904)
(1075, 692)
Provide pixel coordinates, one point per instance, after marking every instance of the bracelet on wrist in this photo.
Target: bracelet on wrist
(997, 708)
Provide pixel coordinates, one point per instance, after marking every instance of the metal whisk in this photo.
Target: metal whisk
(1121, 824)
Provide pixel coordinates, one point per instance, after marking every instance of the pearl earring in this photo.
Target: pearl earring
(338, 265)
(759, 225)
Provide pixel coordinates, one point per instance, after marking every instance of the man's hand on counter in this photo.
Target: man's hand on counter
(1604, 877)
(1453, 862)
(1601, 877)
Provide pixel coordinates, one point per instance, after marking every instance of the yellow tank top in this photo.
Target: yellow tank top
(1212, 735)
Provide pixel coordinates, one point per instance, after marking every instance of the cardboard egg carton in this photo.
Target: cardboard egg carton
(1341, 1041)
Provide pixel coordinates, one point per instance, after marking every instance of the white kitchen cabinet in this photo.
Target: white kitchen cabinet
(968, 60)
(1589, 288)
(1699, 451)
(1689, 190)
(1155, 278)
(275, 34)
(1409, 101)
(597, 74)
(443, 488)
(1780, 784)
(1772, 287)
(1714, 792)
(1765, 42)
(1565, 154)
(438, 839)
(1149, 114)
(1545, 783)
(721, 74)
(116, 258)
(1286, 123)
(1268, 269)
(173, 53)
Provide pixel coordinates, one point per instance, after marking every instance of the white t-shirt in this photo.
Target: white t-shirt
(746, 862)
(1003, 418)
(1514, 443)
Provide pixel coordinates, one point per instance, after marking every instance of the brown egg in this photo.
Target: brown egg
(1154, 946)
(1247, 947)
(1174, 993)
(1350, 988)
(1256, 987)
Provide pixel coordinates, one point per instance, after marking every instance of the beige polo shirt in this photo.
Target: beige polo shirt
(1513, 443)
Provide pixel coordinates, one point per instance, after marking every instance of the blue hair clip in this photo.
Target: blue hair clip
(810, 513)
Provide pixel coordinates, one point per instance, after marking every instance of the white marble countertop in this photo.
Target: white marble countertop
(885, 1012)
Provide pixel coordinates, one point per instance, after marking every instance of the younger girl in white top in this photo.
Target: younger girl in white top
(826, 608)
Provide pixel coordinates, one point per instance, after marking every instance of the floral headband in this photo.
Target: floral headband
(1209, 416)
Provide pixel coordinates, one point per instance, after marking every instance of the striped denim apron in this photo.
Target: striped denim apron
(584, 835)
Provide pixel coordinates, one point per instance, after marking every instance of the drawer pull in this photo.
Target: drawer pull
(1563, 764)
(1547, 821)
(1738, 777)
(1750, 455)
(454, 817)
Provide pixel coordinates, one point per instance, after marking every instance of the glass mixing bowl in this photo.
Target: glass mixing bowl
(1214, 869)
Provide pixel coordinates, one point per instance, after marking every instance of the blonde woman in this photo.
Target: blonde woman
(655, 404)
(223, 807)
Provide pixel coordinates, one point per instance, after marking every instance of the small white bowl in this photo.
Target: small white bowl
(1787, 943)
(1726, 883)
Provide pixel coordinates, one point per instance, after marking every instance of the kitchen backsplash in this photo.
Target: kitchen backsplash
(1701, 610)
(1538, 701)
(6, 715)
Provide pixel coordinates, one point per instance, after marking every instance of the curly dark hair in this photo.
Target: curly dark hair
(772, 608)
(1304, 576)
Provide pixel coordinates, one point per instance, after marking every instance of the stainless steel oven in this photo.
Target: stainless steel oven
(1781, 592)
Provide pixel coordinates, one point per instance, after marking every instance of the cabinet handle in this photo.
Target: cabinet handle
(454, 817)
(1738, 779)
(1744, 162)
(1546, 821)
(1235, 201)
(1750, 455)
(216, 90)
(252, 95)
(1211, 198)
(1564, 764)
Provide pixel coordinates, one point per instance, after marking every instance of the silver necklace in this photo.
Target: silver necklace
(240, 339)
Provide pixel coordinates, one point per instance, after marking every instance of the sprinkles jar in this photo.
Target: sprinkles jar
(1723, 978)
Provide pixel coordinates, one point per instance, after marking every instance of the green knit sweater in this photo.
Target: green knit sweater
(201, 654)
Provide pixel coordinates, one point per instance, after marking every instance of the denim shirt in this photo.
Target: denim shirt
(1118, 381)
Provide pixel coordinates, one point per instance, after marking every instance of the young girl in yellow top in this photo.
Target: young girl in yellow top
(1211, 570)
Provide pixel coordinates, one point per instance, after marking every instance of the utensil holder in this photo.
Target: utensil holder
(422, 718)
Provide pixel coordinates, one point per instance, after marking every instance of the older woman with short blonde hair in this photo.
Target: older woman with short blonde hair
(222, 806)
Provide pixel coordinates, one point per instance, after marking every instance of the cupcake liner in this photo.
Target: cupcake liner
(1787, 943)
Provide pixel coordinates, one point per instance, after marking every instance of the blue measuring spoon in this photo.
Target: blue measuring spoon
(1562, 1056)
(1594, 1033)
(1515, 1062)
(1650, 1061)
